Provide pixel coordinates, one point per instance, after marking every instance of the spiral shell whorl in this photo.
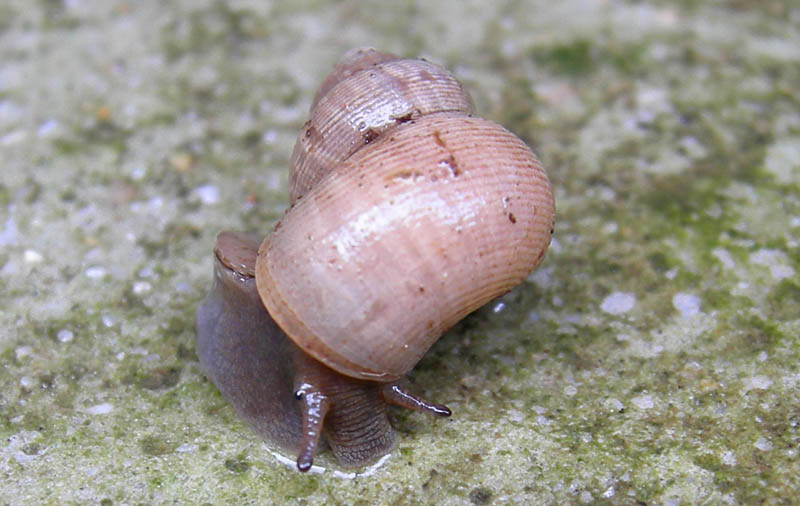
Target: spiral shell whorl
(366, 95)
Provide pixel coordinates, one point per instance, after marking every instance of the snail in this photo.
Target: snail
(406, 214)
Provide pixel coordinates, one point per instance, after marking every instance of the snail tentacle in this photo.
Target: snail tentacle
(314, 407)
(396, 395)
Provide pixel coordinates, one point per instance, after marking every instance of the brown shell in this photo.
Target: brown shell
(366, 94)
(402, 240)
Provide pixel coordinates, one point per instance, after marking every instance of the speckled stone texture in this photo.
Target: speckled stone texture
(652, 359)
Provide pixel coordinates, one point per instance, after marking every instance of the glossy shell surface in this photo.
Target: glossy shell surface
(399, 242)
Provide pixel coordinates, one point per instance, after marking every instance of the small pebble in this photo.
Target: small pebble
(687, 304)
(23, 351)
(763, 444)
(643, 401)
(728, 458)
(100, 409)
(95, 272)
(65, 335)
(618, 303)
(208, 194)
(141, 287)
(32, 256)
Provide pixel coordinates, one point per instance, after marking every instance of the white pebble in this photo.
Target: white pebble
(643, 401)
(186, 448)
(763, 444)
(208, 194)
(756, 383)
(95, 272)
(724, 257)
(570, 390)
(9, 233)
(515, 416)
(776, 260)
(138, 173)
(141, 287)
(32, 256)
(65, 335)
(687, 304)
(47, 128)
(610, 228)
(100, 409)
(23, 351)
(780, 272)
(728, 458)
(614, 404)
(13, 137)
(618, 303)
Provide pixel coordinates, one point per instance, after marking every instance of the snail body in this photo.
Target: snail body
(406, 214)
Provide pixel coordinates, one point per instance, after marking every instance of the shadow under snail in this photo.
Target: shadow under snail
(406, 214)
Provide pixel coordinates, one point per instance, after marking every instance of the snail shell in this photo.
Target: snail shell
(402, 240)
(406, 214)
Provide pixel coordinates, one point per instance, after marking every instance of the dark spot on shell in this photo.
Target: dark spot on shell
(437, 137)
(370, 135)
(421, 289)
(406, 117)
(450, 164)
(512, 218)
(426, 76)
(405, 175)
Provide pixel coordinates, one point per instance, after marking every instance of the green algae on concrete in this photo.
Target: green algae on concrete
(653, 358)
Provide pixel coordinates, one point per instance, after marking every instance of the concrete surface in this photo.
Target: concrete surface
(652, 359)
